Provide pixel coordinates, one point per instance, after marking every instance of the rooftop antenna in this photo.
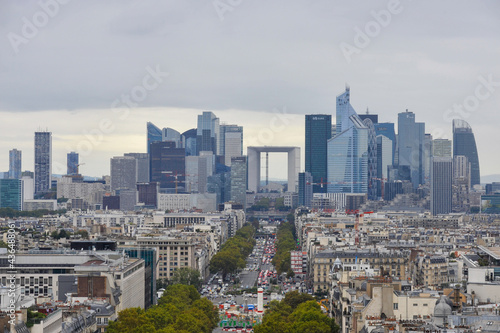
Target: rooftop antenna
(367, 111)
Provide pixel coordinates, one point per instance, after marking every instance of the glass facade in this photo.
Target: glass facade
(305, 189)
(43, 161)
(441, 185)
(11, 194)
(14, 164)
(372, 159)
(72, 163)
(411, 146)
(387, 130)
(318, 132)
(231, 142)
(167, 165)
(464, 143)
(239, 180)
(154, 134)
(348, 151)
(208, 133)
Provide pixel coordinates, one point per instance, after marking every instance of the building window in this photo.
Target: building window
(395, 306)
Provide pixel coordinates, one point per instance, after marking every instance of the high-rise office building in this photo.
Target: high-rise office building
(441, 148)
(190, 142)
(371, 116)
(305, 189)
(464, 143)
(169, 134)
(198, 170)
(123, 173)
(348, 151)
(372, 159)
(72, 163)
(411, 146)
(231, 138)
(441, 185)
(14, 164)
(318, 132)
(154, 134)
(11, 193)
(387, 130)
(427, 157)
(461, 183)
(167, 165)
(43, 161)
(147, 194)
(142, 160)
(239, 180)
(208, 133)
(384, 161)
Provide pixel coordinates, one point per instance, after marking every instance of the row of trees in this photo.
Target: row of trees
(180, 310)
(285, 243)
(297, 312)
(11, 213)
(233, 253)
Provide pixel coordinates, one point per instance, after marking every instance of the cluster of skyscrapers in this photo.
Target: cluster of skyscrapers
(355, 155)
(360, 155)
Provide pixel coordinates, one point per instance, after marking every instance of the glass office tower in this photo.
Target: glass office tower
(318, 132)
(464, 143)
(348, 151)
(154, 134)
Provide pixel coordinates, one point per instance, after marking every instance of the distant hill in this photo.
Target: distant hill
(490, 179)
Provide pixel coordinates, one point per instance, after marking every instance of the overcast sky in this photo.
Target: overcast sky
(108, 67)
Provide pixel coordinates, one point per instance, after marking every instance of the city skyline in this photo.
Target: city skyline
(94, 139)
(242, 71)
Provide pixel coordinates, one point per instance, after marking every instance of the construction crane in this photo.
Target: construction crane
(77, 168)
(321, 183)
(176, 175)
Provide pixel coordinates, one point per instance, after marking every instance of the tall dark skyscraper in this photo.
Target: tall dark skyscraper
(167, 165)
(318, 132)
(305, 189)
(464, 143)
(14, 164)
(72, 163)
(441, 185)
(411, 146)
(154, 134)
(43, 161)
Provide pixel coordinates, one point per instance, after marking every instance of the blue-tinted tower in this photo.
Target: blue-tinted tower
(348, 151)
(72, 163)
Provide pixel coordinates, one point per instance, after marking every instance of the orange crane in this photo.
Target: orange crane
(321, 183)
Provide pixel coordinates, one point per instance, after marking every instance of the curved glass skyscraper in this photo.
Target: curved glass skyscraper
(347, 161)
(464, 144)
(154, 134)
